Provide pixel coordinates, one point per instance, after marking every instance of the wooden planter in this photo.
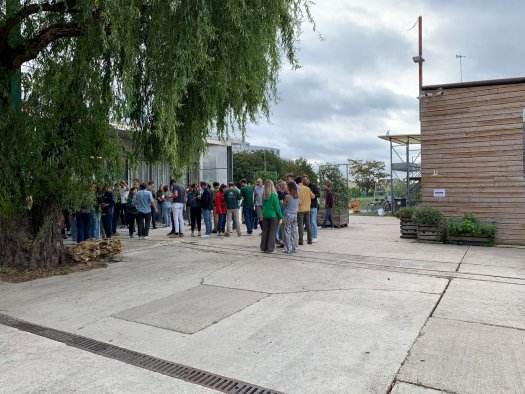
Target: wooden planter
(408, 228)
(467, 239)
(340, 217)
(428, 233)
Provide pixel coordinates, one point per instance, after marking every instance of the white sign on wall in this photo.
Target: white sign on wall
(439, 193)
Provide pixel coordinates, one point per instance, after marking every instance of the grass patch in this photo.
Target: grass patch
(11, 275)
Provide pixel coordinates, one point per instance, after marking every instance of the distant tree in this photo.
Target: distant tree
(367, 172)
(329, 174)
(249, 164)
(300, 167)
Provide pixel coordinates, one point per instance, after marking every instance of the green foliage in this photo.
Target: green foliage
(400, 190)
(171, 70)
(427, 216)
(471, 225)
(264, 175)
(299, 167)
(405, 212)
(367, 172)
(250, 165)
(330, 175)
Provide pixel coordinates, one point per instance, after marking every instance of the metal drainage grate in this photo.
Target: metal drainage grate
(154, 364)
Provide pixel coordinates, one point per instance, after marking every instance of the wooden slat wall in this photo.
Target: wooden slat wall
(473, 137)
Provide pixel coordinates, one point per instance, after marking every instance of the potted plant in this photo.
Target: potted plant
(407, 226)
(429, 224)
(470, 231)
(330, 175)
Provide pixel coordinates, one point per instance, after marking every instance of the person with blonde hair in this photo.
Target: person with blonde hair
(290, 219)
(271, 213)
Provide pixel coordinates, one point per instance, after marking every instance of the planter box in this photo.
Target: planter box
(470, 240)
(426, 233)
(340, 217)
(408, 228)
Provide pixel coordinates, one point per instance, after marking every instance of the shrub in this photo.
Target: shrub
(470, 225)
(427, 216)
(404, 212)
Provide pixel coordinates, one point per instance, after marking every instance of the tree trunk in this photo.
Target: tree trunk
(31, 240)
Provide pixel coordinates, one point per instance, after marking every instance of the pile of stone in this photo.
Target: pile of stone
(93, 249)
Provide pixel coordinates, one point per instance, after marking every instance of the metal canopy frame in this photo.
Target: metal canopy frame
(407, 149)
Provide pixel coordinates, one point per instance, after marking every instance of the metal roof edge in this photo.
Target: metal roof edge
(472, 84)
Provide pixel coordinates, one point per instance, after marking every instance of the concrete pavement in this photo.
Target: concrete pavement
(356, 312)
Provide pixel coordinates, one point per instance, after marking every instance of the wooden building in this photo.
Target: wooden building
(472, 152)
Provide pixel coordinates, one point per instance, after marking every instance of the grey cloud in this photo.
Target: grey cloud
(360, 81)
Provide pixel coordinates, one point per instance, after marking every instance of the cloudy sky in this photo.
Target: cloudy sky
(360, 81)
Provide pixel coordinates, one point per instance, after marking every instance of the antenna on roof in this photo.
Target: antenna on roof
(460, 56)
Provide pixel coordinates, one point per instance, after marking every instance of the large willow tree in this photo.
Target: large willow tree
(172, 70)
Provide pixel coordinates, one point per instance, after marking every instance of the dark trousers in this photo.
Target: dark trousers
(255, 220)
(248, 218)
(303, 219)
(107, 222)
(131, 223)
(120, 214)
(196, 217)
(83, 225)
(67, 221)
(328, 216)
(221, 223)
(116, 216)
(269, 230)
(153, 220)
(143, 221)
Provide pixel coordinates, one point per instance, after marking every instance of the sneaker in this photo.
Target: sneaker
(309, 242)
(200, 235)
(181, 235)
(146, 237)
(206, 236)
(141, 237)
(192, 234)
(314, 240)
(116, 234)
(132, 236)
(280, 246)
(173, 235)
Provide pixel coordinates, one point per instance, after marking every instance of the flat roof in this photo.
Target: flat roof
(402, 139)
(472, 84)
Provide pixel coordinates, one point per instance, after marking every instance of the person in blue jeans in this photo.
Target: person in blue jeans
(207, 208)
(314, 205)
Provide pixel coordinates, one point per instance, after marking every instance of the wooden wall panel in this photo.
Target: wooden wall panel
(472, 146)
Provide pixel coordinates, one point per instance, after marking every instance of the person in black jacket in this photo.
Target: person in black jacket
(207, 208)
(314, 206)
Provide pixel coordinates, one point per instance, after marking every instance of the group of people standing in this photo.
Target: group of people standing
(283, 213)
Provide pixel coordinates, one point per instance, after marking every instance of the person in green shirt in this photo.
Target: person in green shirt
(272, 215)
(232, 196)
(247, 205)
